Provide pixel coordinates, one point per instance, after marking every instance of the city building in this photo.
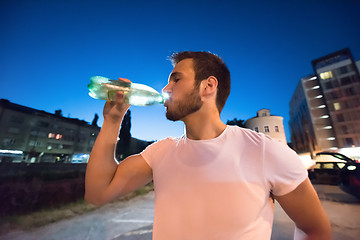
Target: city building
(267, 124)
(311, 129)
(325, 107)
(30, 135)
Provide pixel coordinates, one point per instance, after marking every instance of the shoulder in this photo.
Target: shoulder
(166, 142)
(161, 144)
(159, 148)
(246, 135)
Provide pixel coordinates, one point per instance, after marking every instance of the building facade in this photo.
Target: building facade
(310, 127)
(325, 107)
(30, 135)
(268, 124)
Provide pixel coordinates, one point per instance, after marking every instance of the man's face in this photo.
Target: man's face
(184, 96)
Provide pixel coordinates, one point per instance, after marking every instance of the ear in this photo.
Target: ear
(209, 86)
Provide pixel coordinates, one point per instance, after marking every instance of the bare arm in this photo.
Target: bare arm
(303, 206)
(105, 179)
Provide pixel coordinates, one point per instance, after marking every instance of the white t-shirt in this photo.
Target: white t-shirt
(220, 188)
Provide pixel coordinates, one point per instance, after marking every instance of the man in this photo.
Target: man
(216, 181)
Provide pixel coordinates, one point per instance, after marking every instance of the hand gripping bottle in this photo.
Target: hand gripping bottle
(134, 93)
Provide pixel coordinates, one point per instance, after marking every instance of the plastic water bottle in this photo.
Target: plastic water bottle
(134, 93)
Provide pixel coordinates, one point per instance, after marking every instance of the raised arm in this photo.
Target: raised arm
(106, 179)
(303, 206)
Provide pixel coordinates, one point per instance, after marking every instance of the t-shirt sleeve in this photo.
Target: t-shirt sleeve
(155, 151)
(283, 168)
(147, 153)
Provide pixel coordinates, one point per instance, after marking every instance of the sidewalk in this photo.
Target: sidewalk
(343, 211)
(132, 220)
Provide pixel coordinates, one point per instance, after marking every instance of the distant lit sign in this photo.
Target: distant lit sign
(10, 153)
(80, 158)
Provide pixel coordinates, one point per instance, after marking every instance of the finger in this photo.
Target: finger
(120, 98)
(119, 95)
(120, 101)
(124, 80)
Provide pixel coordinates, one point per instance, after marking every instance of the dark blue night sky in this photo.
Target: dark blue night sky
(50, 49)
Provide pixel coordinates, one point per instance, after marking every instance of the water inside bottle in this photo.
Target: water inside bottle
(134, 93)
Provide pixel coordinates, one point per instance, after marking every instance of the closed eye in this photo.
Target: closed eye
(175, 76)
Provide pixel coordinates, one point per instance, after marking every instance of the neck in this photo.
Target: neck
(203, 125)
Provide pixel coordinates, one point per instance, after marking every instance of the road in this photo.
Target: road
(132, 220)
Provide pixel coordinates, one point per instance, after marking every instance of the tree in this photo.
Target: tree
(127, 145)
(125, 135)
(123, 144)
(94, 121)
(58, 112)
(236, 122)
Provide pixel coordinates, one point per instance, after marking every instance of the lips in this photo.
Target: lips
(167, 102)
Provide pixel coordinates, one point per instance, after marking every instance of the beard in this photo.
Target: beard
(180, 109)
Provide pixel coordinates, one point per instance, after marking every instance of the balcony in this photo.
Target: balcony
(316, 102)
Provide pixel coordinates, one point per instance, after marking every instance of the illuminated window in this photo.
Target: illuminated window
(337, 106)
(55, 135)
(326, 75)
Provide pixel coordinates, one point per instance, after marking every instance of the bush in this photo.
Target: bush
(24, 189)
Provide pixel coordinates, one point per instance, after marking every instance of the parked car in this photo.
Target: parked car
(327, 169)
(336, 168)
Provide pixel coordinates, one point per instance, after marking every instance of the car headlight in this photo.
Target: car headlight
(351, 168)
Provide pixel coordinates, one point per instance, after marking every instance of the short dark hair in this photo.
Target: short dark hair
(207, 64)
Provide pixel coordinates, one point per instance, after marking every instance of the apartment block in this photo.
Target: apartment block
(31, 135)
(325, 107)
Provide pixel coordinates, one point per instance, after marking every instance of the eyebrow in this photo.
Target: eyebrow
(175, 74)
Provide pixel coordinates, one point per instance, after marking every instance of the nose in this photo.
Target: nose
(166, 89)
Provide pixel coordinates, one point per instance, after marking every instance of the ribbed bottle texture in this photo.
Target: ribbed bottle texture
(134, 93)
